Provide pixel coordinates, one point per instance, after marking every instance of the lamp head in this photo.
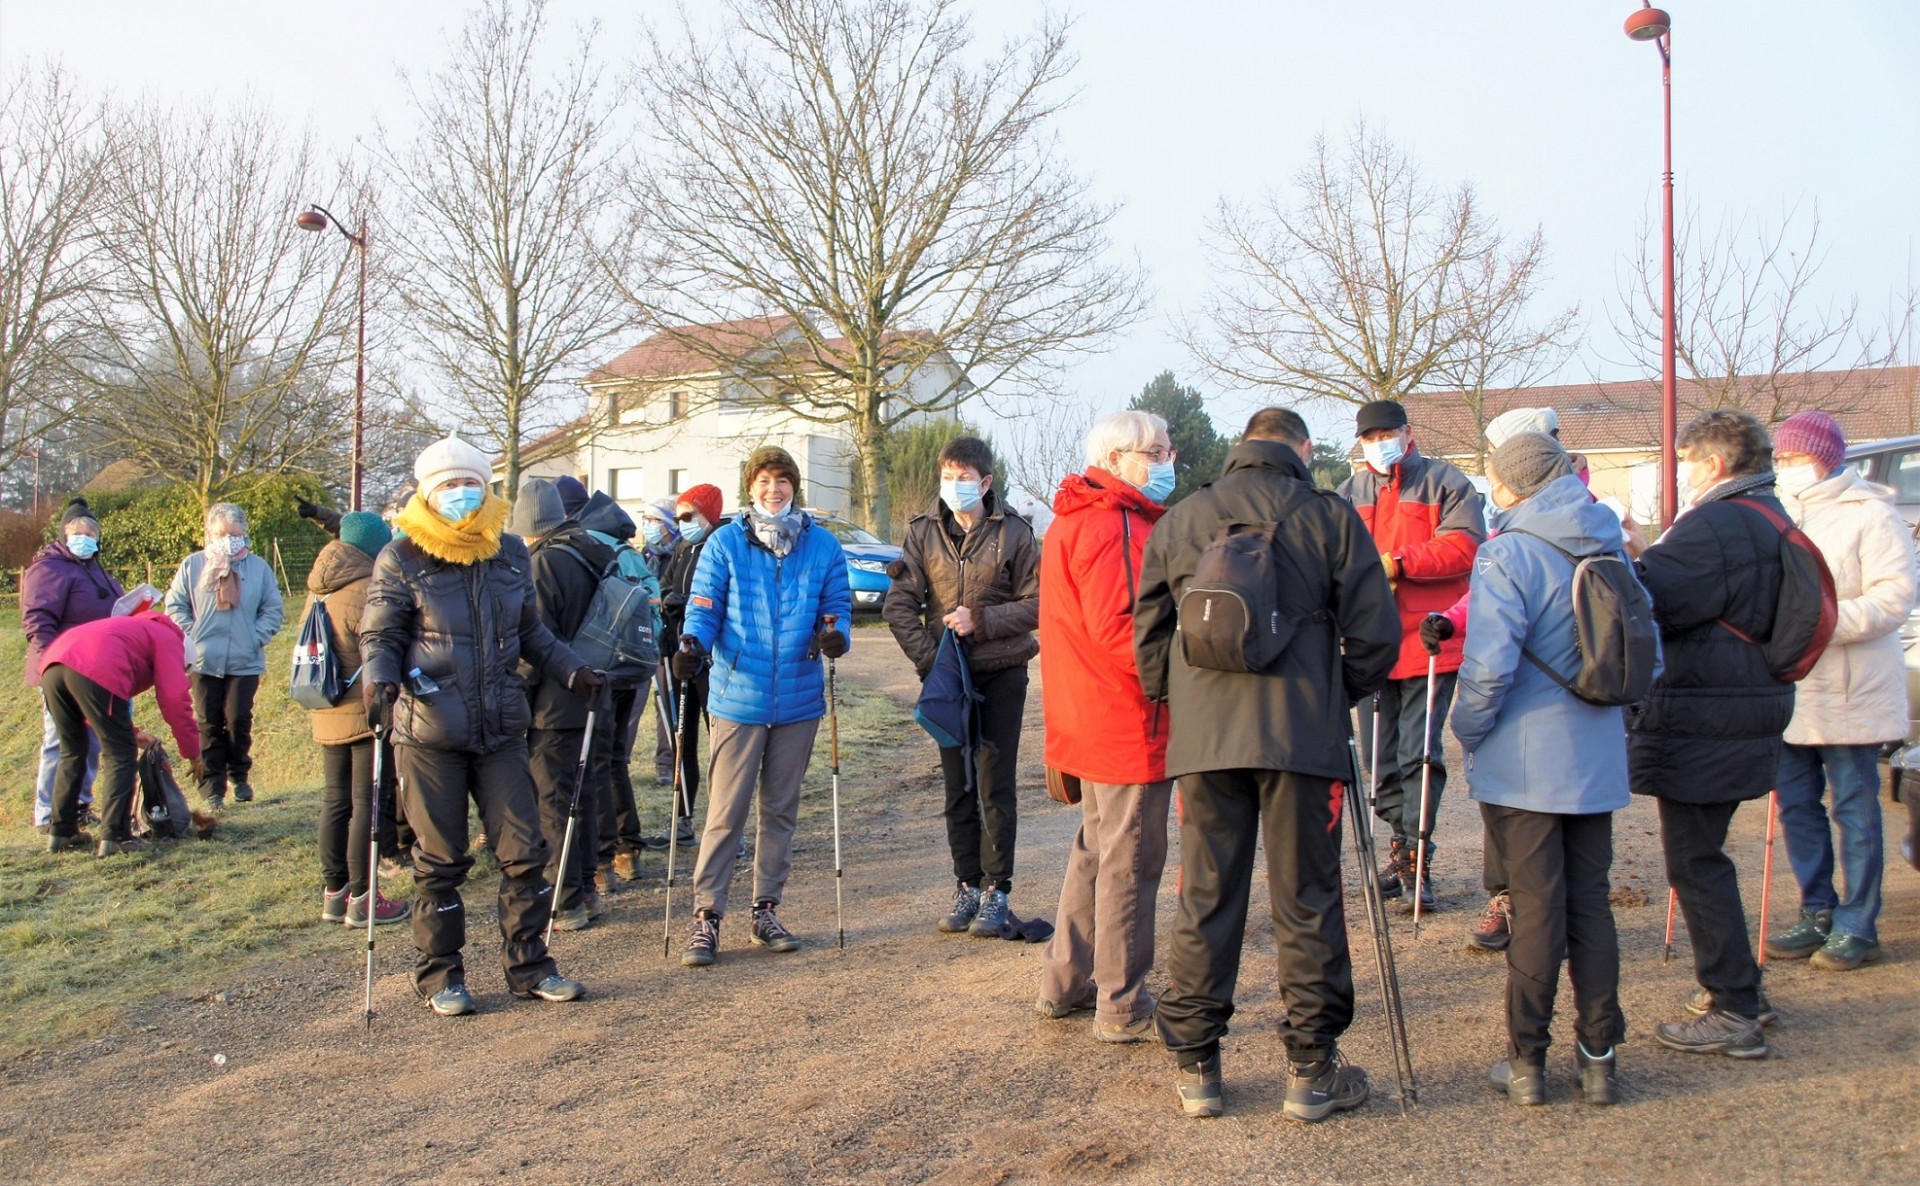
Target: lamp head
(1649, 24)
(310, 220)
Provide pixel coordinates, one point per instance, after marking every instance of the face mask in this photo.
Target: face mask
(233, 545)
(459, 502)
(652, 532)
(693, 533)
(961, 497)
(1160, 481)
(761, 507)
(1792, 479)
(82, 546)
(1384, 454)
(1683, 483)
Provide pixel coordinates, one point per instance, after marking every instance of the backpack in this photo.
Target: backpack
(315, 682)
(1619, 643)
(619, 634)
(160, 810)
(1808, 610)
(1230, 617)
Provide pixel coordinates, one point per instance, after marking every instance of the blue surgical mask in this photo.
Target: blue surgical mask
(779, 514)
(82, 546)
(962, 497)
(459, 502)
(233, 545)
(1160, 481)
(1384, 454)
(693, 533)
(652, 532)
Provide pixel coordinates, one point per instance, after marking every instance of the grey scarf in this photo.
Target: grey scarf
(777, 533)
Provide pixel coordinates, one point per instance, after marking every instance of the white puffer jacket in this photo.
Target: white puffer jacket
(1857, 693)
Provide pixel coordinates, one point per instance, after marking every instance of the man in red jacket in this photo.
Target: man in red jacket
(1428, 522)
(1101, 729)
(92, 674)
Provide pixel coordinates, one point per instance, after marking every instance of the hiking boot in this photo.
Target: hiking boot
(385, 910)
(1594, 1074)
(1714, 1032)
(1495, 930)
(1054, 1011)
(966, 906)
(594, 905)
(333, 905)
(214, 791)
(1844, 953)
(1318, 1090)
(1140, 1029)
(1428, 903)
(1701, 1003)
(703, 941)
(768, 931)
(605, 881)
(995, 916)
(1390, 882)
(64, 843)
(1803, 938)
(1525, 1085)
(654, 842)
(627, 865)
(576, 919)
(451, 1001)
(684, 835)
(554, 987)
(113, 848)
(243, 792)
(1199, 1086)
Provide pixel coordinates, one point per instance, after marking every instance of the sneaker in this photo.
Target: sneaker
(243, 792)
(1803, 938)
(594, 905)
(654, 842)
(64, 843)
(994, 917)
(554, 987)
(685, 837)
(576, 919)
(1054, 1011)
(1594, 1074)
(1715, 1032)
(1701, 1003)
(626, 865)
(966, 906)
(1844, 953)
(1496, 924)
(1140, 1029)
(1317, 1090)
(768, 931)
(1526, 1087)
(333, 905)
(1389, 881)
(385, 910)
(1199, 1086)
(451, 1001)
(111, 848)
(214, 791)
(703, 941)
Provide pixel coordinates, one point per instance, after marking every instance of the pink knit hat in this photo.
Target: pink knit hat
(1815, 434)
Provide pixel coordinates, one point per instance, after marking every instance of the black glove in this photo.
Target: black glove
(585, 681)
(830, 642)
(377, 699)
(307, 510)
(689, 659)
(1434, 630)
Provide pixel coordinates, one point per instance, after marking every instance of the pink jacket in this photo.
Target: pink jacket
(127, 656)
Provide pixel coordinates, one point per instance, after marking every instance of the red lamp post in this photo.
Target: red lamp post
(1653, 24)
(318, 218)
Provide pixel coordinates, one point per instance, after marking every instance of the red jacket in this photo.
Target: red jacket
(1100, 725)
(1428, 517)
(126, 656)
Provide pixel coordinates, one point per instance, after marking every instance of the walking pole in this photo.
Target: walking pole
(1373, 773)
(1766, 874)
(1673, 899)
(573, 808)
(1423, 835)
(833, 734)
(673, 810)
(373, 838)
(1382, 935)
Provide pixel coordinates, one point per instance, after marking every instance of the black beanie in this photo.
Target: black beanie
(78, 509)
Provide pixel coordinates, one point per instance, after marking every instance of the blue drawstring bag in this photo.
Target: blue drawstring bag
(945, 709)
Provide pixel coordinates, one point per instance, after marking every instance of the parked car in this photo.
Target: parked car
(867, 558)
(1895, 462)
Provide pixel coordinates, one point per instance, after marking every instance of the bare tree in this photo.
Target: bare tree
(504, 226)
(53, 173)
(1368, 283)
(1036, 451)
(216, 337)
(856, 172)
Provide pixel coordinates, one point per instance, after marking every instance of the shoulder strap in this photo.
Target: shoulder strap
(1780, 522)
(598, 575)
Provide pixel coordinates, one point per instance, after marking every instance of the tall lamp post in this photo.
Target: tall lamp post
(1653, 24)
(318, 218)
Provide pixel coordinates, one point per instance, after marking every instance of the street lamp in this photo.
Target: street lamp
(1653, 24)
(318, 218)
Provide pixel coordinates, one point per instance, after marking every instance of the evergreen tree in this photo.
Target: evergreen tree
(1203, 451)
(1330, 465)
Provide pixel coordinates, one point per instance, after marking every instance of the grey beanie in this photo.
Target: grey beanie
(538, 510)
(1528, 461)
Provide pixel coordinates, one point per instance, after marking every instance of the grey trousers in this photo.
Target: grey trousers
(772, 758)
(1104, 933)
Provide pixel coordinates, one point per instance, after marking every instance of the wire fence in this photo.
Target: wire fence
(291, 561)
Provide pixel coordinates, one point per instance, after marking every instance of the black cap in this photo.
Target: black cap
(1381, 413)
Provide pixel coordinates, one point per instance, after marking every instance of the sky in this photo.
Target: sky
(1547, 108)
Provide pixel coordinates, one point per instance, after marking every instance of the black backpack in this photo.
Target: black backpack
(1230, 614)
(1613, 623)
(160, 810)
(618, 635)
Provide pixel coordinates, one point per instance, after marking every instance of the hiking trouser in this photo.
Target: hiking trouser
(1558, 866)
(346, 802)
(1403, 710)
(553, 756)
(1852, 774)
(1694, 837)
(770, 759)
(1104, 933)
(50, 766)
(982, 824)
(74, 700)
(435, 787)
(619, 829)
(1222, 813)
(1493, 869)
(223, 708)
(695, 710)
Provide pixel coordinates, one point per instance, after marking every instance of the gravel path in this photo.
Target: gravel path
(915, 1057)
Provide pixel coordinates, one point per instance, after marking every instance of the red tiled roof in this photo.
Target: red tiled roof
(548, 444)
(691, 349)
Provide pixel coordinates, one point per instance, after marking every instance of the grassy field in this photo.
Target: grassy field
(81, 937)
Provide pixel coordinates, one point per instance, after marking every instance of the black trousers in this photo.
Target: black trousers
(619, 813)
(434, 789)
(1701, 873)
(223, 708)
(1403, 713)
(689, 716)
(346, 801)
(1493, 870)
(73, 700)
(554, 756)
(983, 824)
(1222, 813)
(1558, 868)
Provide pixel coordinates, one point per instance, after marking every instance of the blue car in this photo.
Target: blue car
(867, 558)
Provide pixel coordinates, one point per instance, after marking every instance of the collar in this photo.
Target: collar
(473, 539)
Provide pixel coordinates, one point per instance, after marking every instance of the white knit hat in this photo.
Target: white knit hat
(1510, 424)
(451, 458)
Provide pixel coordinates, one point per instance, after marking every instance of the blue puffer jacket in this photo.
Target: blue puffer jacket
(758, 617)
(1530, 743)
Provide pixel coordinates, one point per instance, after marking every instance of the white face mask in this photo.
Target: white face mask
(1382, 455)
(1792, 479)
(1683, 483)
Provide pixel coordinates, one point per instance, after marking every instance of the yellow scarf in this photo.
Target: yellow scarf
(471, 540)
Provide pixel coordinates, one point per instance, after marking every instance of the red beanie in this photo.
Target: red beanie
(705, 498)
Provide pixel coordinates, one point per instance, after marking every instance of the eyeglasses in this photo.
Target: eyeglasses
(1156, 456)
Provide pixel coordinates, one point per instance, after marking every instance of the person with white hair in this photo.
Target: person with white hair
(227, 601)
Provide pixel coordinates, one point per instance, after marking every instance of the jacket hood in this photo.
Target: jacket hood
(574, 536)
(1099, 490)
(606, 516)
(1275, 455)
(1565, 515)
(57, 551)
(338, 565)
